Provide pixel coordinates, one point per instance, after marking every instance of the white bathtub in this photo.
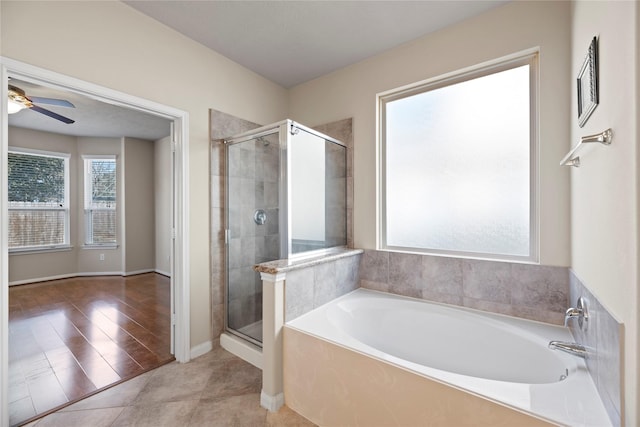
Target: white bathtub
(501, 358)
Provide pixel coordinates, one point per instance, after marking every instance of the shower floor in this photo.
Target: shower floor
(254, 330)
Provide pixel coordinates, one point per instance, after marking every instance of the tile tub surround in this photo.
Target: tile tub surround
(604, 338)
(522, 290)
(315, 281)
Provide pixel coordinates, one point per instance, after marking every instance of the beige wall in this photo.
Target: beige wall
(163, 205)
(111, 44)
(604, 190)
(139, 206)
(515, 27)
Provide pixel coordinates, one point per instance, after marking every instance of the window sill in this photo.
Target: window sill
(105, 246)
(479, 256)
(31, 251)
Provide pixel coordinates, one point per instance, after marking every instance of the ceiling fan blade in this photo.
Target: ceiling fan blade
(52, 114)
(51, 101)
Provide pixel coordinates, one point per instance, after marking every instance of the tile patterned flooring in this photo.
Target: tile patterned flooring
(216, 389)
(70, 338)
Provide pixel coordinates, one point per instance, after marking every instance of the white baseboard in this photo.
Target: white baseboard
(65, 276)
(164, 273)
(98, 273)
(271, 403)
(243, 349)
(79, 274)
(201, 349)
(43, 279)
(133, 273)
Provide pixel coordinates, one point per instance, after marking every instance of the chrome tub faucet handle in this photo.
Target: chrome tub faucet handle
(571, 312)
(579, 311)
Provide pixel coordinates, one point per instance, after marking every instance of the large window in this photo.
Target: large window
(457, 164)
(38, 200)
(100, 200)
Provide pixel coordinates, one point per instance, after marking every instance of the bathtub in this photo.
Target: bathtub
(369, 354)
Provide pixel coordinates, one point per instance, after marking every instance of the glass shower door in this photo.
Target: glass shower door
(253, 236)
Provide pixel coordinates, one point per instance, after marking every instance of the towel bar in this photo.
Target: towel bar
(571, 159)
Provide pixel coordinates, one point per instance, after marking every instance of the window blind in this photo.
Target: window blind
(38, 207)
(100, 201)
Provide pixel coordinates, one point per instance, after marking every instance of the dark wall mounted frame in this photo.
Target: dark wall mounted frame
(588, 84)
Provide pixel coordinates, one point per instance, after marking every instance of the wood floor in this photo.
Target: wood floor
(69, 338)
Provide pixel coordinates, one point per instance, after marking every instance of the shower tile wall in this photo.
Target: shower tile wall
(603, 336)
(529, 291)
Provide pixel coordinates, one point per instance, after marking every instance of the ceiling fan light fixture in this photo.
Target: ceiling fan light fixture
(17, 100)
(13, 106)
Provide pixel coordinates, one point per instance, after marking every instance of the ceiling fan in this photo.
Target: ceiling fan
(18, 100)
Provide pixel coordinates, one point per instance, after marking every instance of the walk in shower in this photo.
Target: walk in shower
(286, 198)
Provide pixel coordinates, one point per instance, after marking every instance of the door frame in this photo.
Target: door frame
(180, 233)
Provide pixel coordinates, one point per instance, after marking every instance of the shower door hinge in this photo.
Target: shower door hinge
(173, 233)
(173, 318)
(173, 146)
(226, 236)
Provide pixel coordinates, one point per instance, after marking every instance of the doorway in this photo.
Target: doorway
(179, 143)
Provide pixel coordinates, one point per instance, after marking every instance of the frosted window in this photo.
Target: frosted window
(457, 167)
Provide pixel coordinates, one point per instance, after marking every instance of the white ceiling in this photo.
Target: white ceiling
(92, 117)
(291, 42)
(288, 42)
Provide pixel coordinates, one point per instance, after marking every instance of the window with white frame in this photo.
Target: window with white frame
(100, 200)
(38, 192)
(458, 163)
